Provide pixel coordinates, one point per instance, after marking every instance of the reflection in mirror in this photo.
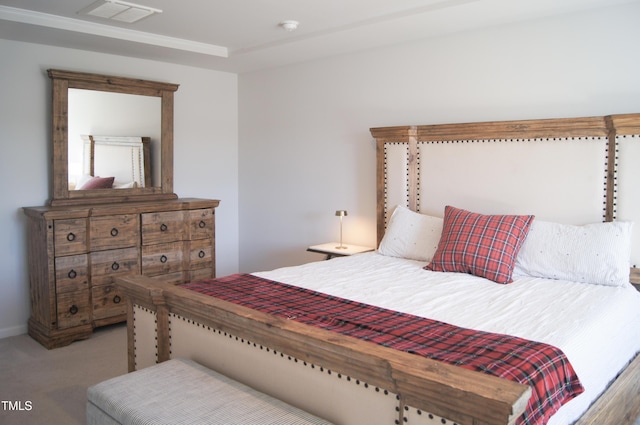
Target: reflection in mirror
(113, 162)
(116, 116)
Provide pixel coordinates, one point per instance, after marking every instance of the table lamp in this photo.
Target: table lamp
(341, 214)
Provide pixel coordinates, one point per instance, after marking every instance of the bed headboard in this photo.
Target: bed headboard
(127, 159)
(572, 171)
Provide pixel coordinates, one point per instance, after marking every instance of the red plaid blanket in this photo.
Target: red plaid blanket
(543, 367)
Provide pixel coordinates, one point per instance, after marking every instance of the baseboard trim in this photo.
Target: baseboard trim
(13, 331)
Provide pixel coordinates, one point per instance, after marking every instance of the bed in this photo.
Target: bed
(121, 162)
(566, 189)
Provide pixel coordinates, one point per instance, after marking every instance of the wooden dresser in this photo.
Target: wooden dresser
(76, 251)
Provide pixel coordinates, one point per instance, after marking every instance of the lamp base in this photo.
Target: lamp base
(341, 247)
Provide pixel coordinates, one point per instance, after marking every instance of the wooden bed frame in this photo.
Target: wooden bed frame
(349, 381)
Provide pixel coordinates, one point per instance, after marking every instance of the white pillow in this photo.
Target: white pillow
(82, 180)
(130, 185)
(596, 253)
(411, 235)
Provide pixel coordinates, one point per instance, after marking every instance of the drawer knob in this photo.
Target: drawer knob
(73, 309)
(163, 258)
(71, 237)
(201, 254)
(202, 224)
(115, 266)
(72, 274)
(114, 232)
(117, 299)
(163, 227)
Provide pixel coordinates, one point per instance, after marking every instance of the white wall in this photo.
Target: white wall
(205, 157)
(305, 146)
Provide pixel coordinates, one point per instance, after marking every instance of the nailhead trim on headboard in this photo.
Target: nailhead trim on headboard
(612, 130)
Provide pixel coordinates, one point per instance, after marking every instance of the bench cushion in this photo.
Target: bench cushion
(181, 391)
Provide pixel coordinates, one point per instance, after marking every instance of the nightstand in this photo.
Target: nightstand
(330, 250)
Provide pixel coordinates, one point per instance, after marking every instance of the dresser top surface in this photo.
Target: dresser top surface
(92, 210)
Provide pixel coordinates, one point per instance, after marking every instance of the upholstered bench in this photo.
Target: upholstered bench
(181, 391)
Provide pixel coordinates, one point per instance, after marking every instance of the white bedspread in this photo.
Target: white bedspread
(597, 327)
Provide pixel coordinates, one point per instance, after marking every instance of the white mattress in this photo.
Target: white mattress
(597, 327)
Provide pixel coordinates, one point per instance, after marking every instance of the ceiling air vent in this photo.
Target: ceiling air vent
(119, 11)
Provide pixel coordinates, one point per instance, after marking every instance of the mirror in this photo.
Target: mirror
(97, 141)
(99, 107)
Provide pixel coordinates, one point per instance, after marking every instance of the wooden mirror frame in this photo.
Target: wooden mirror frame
(62, 81)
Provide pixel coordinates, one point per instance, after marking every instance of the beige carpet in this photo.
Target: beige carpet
(55, 381)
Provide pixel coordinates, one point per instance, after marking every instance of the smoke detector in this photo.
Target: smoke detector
(289, 25)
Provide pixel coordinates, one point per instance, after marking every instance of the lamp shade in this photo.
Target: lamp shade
(341, 213)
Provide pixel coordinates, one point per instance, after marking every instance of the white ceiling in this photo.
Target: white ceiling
(244, 35)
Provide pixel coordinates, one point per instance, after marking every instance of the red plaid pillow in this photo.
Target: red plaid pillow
(482, 245)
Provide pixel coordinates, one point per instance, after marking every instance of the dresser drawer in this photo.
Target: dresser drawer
(107, 302)
(201, 223)
(200, 274)
(176, 278)
(163, 227)
(73, 309)
(105, 265)
(70, 236)
(72, 273)
(162, 258)
(201, 254)
(114, 231)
